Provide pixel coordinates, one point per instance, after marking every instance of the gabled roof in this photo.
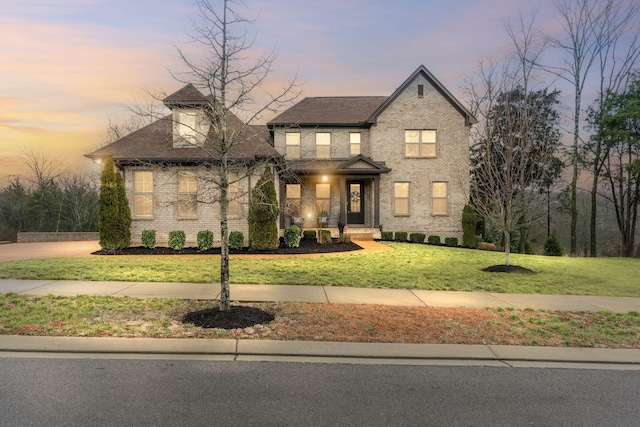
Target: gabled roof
(154, 144)
(330, 111)
(358, 165)
(422, 70)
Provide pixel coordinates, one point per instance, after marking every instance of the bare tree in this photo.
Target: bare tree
(45, 169)
(233, 81)
(582, 21)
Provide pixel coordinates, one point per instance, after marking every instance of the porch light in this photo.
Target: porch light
(324, 178)
(98, 161)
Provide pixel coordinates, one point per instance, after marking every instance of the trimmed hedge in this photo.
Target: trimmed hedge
(401, 236)
(149, 239)
(309, 234)
(236, 240)
(434, 240)
(325, 237)
(205, 240)
(417, 237)
(451, 241)
(177, 239)
(387, 236)
(292, 236)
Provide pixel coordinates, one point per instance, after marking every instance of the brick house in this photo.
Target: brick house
(400, 161)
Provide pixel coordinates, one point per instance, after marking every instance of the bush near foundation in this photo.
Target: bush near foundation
(417, 237)
(387, 236)
(205, 240)
(177, 239)
(149, 239)
(401, 236)
(292, 236)
(236, 240)
(451, 241)
(434, 240)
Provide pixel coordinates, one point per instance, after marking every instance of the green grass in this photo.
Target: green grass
(407, 266)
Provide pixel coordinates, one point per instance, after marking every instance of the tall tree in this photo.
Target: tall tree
(618, 124)
(114, 216)
(221, 63)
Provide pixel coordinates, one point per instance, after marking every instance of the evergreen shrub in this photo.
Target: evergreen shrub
(236, 240)
(417, 237)
(149, 239)
(177, 239)
(401, 236)
(387, 236)
(552, 246)
(434, 240)
(309, 234)
(205, 240)
(325, 237)
(263, 213)
(469, 220)
(451, 241)
(292, 236)
(114, 215)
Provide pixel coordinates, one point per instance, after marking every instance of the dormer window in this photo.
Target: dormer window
(186, 125)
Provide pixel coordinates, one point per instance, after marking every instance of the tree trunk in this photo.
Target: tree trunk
(507, 248)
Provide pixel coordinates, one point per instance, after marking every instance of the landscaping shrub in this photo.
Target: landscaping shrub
(149, 239)
(387, 236)
(451, 241)
(177, 239)
(434, 240)
(263, 213)
(309, 234)
(205, 240)
(401, 236)
(469, 221)
(114, 215)
(325, 237)
(552, 246)
(292, 236)
(344, 238)
(417, 237)
(340, 227)
(236, 240)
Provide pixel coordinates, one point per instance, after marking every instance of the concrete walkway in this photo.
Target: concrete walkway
(325, 352)
(324, 294)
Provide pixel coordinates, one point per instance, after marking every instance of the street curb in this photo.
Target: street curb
(241, 349)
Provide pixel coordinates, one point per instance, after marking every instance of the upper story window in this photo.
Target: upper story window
(187, 195)
(354, 143)
(187, 125)
(292, 143)
(323, 145)
(439, 196)
(420, 143)
(420, 91)
(143, 193)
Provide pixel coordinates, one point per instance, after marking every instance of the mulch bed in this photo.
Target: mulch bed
(502, 268)
(307, 246)
(238, 317)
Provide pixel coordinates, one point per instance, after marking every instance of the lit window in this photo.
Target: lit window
(354, 143)
(401, 198)
(323, 199)
(323, 145)
(439, 198)
(420, 143)
(187, 195)
(294, 198)
(292, 142)
(143, 197)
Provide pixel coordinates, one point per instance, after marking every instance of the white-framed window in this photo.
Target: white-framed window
(420, 143)
(354, 143)
(233, 209)
(323, 199)
(401, 198)
(187, 195)
(143, 194)
(187, 125)
(292, 145)
(294, 200)
(439, 198)
(323, 145)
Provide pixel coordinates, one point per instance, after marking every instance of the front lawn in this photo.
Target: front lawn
(407, 266)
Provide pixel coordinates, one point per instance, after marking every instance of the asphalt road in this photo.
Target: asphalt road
(82, 392)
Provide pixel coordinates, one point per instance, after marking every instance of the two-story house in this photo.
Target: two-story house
(399, 161)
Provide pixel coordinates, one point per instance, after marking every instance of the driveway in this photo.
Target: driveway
(20, 251)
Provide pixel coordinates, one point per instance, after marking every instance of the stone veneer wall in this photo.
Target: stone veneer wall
(57, 237)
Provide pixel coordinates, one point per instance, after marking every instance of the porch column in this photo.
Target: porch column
(376, 202)
(343, 201)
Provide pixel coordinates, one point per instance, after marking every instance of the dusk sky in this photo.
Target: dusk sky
(68, 66)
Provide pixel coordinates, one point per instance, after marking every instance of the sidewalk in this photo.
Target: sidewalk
(326, 352)
(324, 294)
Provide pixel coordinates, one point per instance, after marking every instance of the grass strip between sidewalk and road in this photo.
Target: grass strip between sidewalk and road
(99, 316)
(412, 266)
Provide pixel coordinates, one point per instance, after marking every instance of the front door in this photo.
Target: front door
(355, 202)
